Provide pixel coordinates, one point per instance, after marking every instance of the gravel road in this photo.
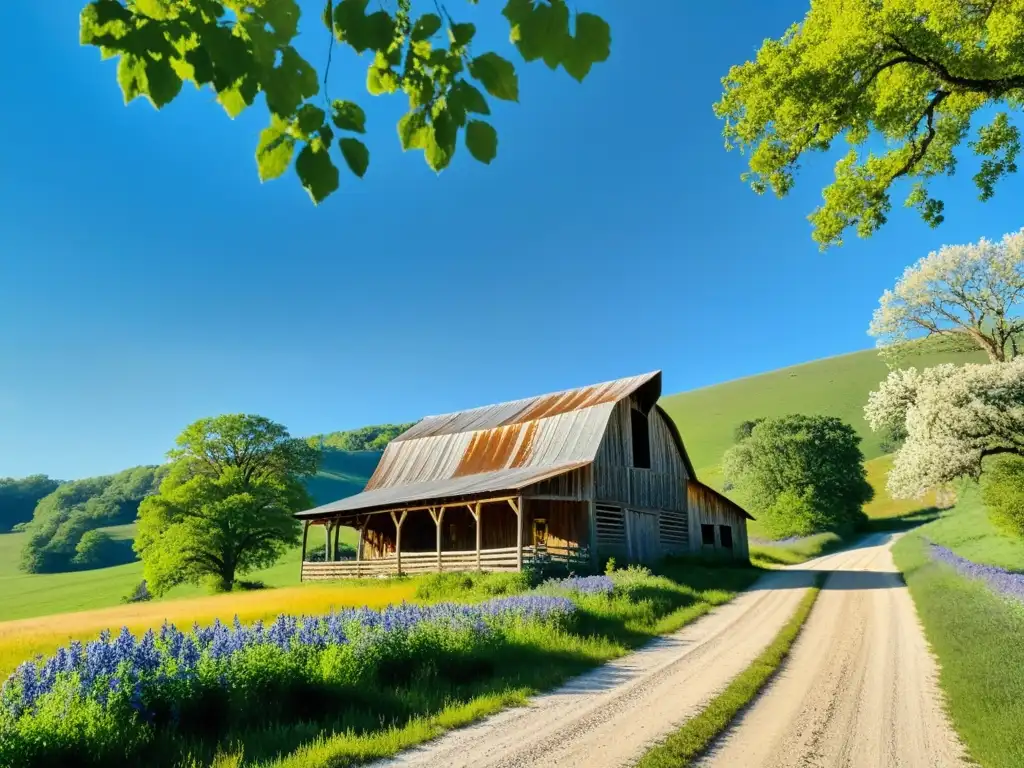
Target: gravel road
(858, 689)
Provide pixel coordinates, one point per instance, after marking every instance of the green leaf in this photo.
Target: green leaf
(239, 96)
(592, 44)
(275, 150)
(381, 80)
(309, 118)
(317, 172)
(543, 32)
(356, 155)
(379, 30)
(348, 116)
(481, 141)
(283, 16)
(104, 22)
(413, 130)
(290, 83)
(327, 17)
(143, 76)
(155, 9)
(460, 35)
(471, 98)
(426, 26)
(362, 32)
(497, 75)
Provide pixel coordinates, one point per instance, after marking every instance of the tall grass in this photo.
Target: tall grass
(25, 638)
(977, 637)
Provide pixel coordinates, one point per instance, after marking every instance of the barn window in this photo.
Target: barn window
(641, 440)
(707, 535)
(725, 535)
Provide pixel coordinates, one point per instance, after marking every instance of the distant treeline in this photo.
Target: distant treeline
(62, 518)
(373, 438)
(18, 498)
(57, 533)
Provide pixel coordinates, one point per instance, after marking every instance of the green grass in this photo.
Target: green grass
(833, 386)
(976, 635)
(682, 747)
(767, 555)
(966, 530)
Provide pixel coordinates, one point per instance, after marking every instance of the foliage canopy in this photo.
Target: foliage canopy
(954, 418)
(801, 475)
(62, 518)
(1002, 490)
(225, 507)
(19, 496)
(968, 290)
(373, 438)
(900, 81)
(242, 48)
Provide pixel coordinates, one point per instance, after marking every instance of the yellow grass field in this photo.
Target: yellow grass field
(23, 639)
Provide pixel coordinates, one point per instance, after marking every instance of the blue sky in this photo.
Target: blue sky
(147, 279)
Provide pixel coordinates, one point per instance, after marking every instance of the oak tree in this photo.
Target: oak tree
(244, 48)
(225, 507)
(904, 82)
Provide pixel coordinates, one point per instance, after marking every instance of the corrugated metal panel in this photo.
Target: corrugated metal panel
(527, 409)
(453, 488)
(500, 447)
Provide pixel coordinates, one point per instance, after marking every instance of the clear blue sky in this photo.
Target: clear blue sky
(147, 278)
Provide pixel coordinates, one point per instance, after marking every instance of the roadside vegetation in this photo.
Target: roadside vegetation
(462, 654)
(974, 631)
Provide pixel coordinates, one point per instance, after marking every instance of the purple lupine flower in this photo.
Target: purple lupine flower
(999, 580)
(586, 585)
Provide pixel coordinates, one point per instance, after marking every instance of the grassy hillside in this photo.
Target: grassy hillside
(834, 386)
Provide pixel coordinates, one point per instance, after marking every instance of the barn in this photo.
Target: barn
(566, 479)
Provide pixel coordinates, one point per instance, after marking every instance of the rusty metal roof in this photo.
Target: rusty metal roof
(496, 448)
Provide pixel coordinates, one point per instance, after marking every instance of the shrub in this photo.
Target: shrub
(1002, 490)
(95, 549)
(140, 594)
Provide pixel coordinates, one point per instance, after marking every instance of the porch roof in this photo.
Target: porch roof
(452, 490)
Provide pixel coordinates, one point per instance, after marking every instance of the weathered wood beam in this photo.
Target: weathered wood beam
(517, 507)
(438, 520)
(337, 531)
(398, 538)
(479, 519)
(305, 533)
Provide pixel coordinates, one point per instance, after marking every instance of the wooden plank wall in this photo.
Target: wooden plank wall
(660, 489)
(707, 508)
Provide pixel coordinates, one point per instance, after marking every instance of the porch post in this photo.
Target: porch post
(305, 533)
(438, 519)
(327, 541)
(337, 530)
(479, 537)
(592, 518)
(359, 546)
(517, 506)
(398, 538)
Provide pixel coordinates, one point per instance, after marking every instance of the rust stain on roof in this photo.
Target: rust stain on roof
(564, 402)
(488, 451)
(525, 445)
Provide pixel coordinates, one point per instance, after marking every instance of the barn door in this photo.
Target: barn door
(642, 536)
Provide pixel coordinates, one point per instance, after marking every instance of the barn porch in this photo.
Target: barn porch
(505, 533)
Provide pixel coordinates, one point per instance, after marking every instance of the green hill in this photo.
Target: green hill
(836, 386)
(833, 386)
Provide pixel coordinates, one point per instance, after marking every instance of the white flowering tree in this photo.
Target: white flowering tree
(954, 417)
(970, 291)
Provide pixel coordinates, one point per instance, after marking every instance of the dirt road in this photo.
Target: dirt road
(858, 688)
(860, 693)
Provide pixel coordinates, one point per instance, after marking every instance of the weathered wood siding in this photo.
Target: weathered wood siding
(707, 508)
(618, 485)
(572, 485)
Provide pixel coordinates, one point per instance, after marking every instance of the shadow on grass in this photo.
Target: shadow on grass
(371, 708)
(904, 522)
